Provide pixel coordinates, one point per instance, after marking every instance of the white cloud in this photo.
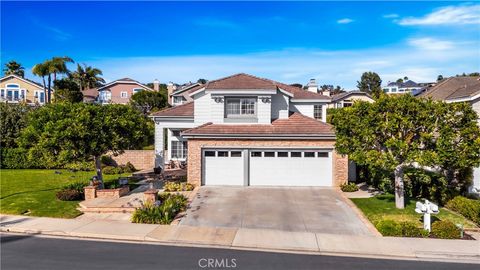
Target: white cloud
(449, 15)
(390, 16)
(345, 21)
(428, 43)
(413, 58)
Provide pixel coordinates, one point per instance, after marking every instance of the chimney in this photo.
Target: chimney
(156, 85)
(170, 89)
(312, 86)
(326, 92)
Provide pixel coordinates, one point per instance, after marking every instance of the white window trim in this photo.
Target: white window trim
(124, 94)
(240, 115)
(37, 95)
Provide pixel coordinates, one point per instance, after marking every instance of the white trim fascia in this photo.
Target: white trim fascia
(463, 99)
(245, 92)
(309, 100)
(248, 136)
(285, 92)
(172, 119)
(22, 79)
(126, 82)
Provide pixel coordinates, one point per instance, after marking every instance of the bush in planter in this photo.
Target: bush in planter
(109, 170)
(445, 229)
(389, 228)
(410, 229)
(72, 192)
(170, 206)
(349, 187)
(172, 186)
(466, 207)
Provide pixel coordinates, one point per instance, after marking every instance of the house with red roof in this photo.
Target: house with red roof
(243, 130)
(116, 92)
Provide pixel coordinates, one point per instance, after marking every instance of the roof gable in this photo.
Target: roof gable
(454, 88)
(125, 81)
(33, 83)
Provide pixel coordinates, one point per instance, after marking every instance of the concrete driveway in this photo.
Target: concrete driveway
(319, 210)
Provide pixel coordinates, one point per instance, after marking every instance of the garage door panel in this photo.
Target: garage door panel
(293, 168)
(224, 168)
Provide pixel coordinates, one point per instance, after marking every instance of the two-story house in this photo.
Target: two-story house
(15, 89)
(459, 89)
(243, 130)
(117, 92)
(408, 86)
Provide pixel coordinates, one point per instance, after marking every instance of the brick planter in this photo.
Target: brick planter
(92, 192)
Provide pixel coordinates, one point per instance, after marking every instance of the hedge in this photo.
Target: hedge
(468, 208)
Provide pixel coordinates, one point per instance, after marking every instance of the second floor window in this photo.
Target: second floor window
(317, 112)
(240, 107)
(124, 94)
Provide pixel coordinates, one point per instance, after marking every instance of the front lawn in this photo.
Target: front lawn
(382, 207)
(32, 192)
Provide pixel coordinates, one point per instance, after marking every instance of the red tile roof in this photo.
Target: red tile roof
(296, 125)
(90, 93)
(184, 110)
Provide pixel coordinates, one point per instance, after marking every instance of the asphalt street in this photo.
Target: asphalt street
(32, 252)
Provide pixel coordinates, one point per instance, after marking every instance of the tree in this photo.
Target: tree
(87, 77)
(202, 81)
(14, 68)
(399, 80)
(338, 90)
(41, 70)
(54, 66)
(58, 65)
(67, 90)
(439, 78)
(13, 119)
(299, 85)
(326, 87)
(370, 83)
(147, 101)
(396, 133)
(65, 132)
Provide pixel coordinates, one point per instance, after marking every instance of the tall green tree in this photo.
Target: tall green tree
(87, 77)
(48, 70)
(147, 101)
(396, 133)
(66, 132)
(13, 119)
(67, 90)
(59, 66)
(41, 70)
(370, 83)
(14, 68)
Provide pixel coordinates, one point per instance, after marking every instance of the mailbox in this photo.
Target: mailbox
(426, 209)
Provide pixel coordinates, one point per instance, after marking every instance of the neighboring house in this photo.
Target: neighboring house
(403, 87)
(459, 89)
(178, 96)
(117, 92)
(15, 89)
(243, 130)
(347, 99)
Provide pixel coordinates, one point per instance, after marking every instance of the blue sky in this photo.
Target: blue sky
(333, 42)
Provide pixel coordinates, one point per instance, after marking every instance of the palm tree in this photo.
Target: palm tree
(41, 70)
(59, 65)
(87, 77)
(14, 68)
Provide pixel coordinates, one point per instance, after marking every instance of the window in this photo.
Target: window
(12, 86)
(240, 107)
(209, 153)
(123, 94)
(256, 154)
(136, 90)
(179, 149)
(178, 100)
(2, 93)
(282, 154)
(347, 103)
(269, 154)
(40, 96)
(105, 96)
(236, 154)
(385, 90)
(394, 89)
(318, 112)
(296, 154)
(222, 153)
(309, 154)
(322, 154)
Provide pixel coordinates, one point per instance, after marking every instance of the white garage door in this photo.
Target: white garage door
(290, 168)
(223, 167)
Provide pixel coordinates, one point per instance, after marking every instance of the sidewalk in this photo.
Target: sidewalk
(254, 239)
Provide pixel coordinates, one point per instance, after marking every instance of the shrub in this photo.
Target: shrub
(112, 170)
(128, 168)
(76, 186)
(410, 229)
(164, 213)
(466, 207)
(80, 166)
(69, 195)
(445, 229)
(16, 158)
(172, 186)
(348, 187)
(108, 161)
(389, 228)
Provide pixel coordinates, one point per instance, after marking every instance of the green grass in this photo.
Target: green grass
(383, 207)
(32, 192)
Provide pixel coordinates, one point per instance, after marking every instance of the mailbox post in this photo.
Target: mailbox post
(426, 209)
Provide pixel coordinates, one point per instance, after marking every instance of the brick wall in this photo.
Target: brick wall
(340, 163)
(141, 159)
